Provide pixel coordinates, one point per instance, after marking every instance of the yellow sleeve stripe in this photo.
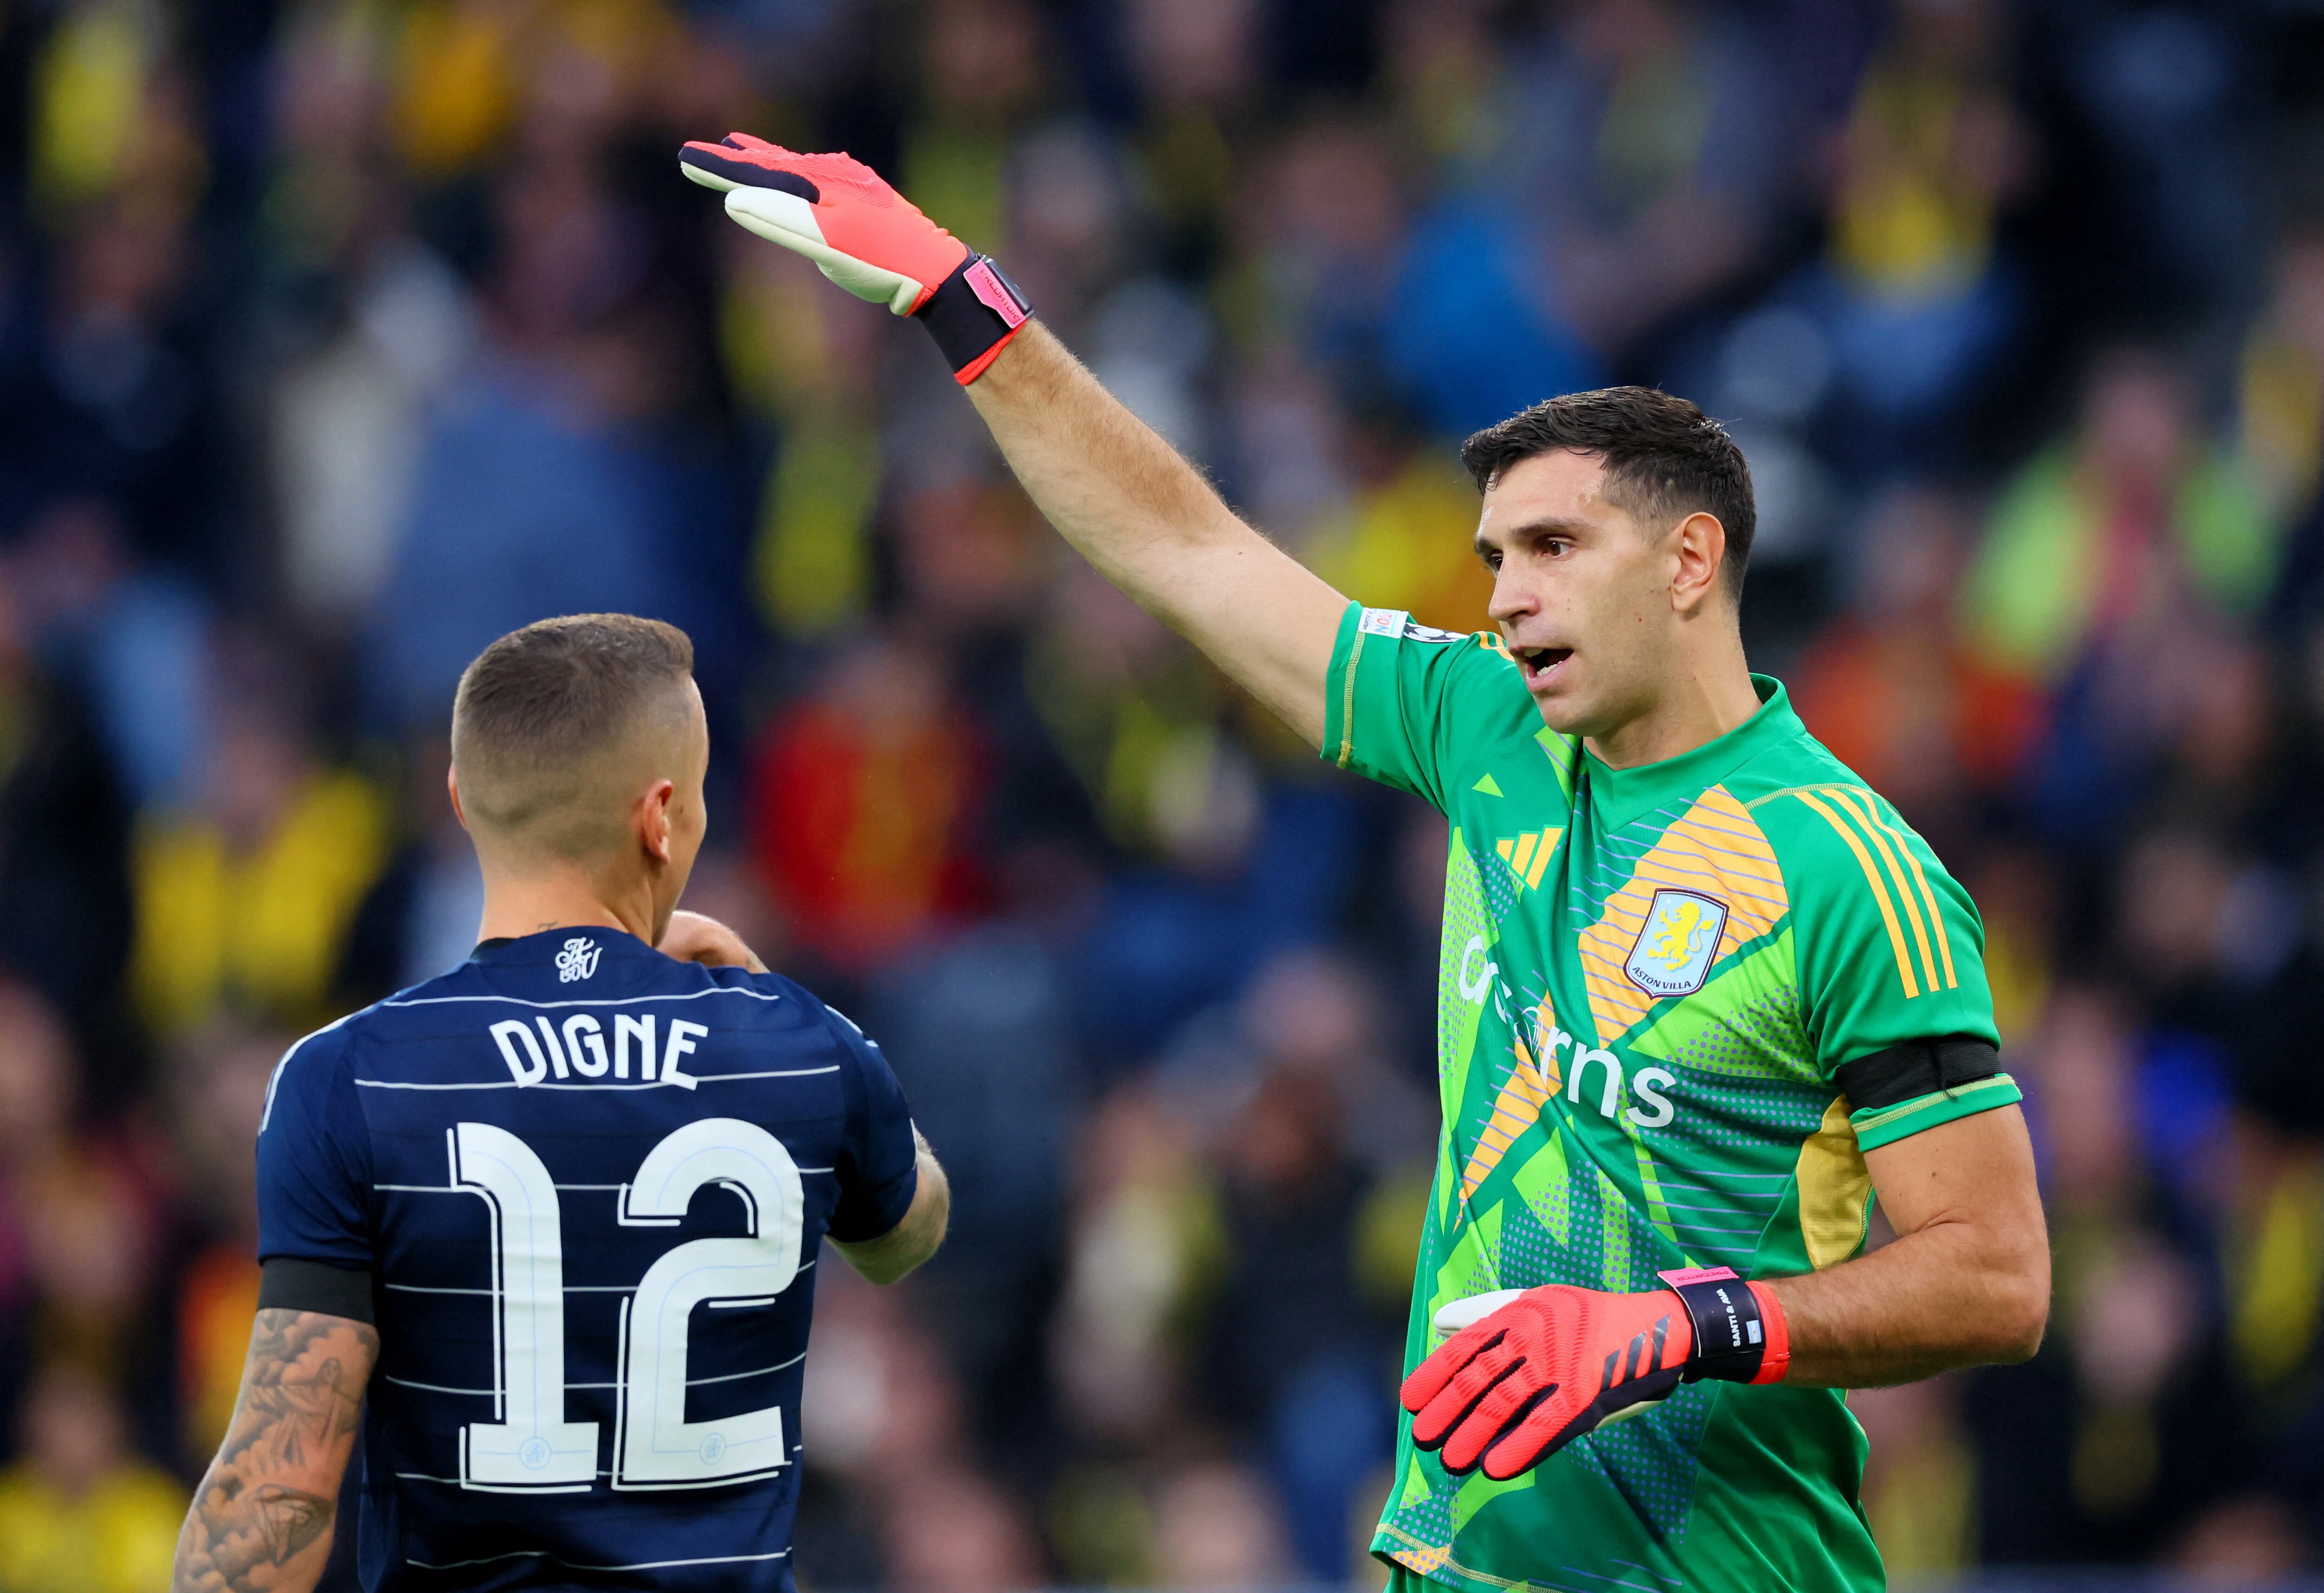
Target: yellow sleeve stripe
(1347, 700)
(1936, 919)
(1863, 805)
(1879, 891)
(1848, 801)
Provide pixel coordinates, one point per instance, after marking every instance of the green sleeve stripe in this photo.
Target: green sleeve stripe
(1889, 1125)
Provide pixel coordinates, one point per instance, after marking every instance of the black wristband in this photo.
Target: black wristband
(1730, 1342)
(972, 313)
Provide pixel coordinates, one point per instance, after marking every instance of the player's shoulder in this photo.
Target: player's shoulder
(1478, 655)
(1784, 785)
(1812, 813)
(843, 1031)
(578, 967)
(1466, 680)
(1843, 848)
(564, 978)
(311, 1066)
(775, 1003)
(802, 1007)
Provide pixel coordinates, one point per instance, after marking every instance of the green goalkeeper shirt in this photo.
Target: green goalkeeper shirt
(1650, 981)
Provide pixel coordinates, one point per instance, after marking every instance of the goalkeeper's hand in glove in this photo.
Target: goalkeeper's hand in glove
(1517, 1385)
(868, 238)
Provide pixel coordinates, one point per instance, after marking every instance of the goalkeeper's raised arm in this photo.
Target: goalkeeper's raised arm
(1703, 991)
(1120, 494)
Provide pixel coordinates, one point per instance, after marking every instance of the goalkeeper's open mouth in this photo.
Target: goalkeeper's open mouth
(1541, 664)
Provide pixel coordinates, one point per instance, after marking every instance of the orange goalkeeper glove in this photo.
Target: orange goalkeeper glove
(1554, 1362)
(868, 238)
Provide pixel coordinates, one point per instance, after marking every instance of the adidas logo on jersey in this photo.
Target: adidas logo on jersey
(1552, 1061)
(1527, 855)
(578, 960)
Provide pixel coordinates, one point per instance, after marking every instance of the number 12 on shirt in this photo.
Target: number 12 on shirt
(533, 1449)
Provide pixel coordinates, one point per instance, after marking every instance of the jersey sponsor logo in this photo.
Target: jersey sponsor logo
(1475, 988)
(1383, 622)
(1671, 955)
(578, 960)
(1562, 1060)
(1551, 1062)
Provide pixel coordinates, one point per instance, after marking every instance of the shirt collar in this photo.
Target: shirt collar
(499, 947)
(1622, 794)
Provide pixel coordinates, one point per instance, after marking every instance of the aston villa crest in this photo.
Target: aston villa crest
(1677, 944)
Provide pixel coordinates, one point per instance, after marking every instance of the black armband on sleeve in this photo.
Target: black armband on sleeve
(292, 1283)
(1917, 1068)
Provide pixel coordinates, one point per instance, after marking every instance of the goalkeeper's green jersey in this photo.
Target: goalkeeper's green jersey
(1650, 978)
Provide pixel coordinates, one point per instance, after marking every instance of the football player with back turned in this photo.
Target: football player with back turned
(545, 1226)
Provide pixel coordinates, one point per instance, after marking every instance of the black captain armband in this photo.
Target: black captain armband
(1904, 1072)
(292, 1283)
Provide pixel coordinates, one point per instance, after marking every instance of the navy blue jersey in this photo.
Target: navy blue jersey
(590, 1183)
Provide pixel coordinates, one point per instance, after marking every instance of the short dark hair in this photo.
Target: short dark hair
(537, 706)
(1665, 458)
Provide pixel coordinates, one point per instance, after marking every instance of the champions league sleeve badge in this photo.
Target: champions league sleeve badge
(1677, 944)
(1399, 626)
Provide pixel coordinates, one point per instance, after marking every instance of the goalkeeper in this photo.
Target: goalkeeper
(1704, 993)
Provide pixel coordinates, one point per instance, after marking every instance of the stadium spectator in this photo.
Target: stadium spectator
(1915, 295)
(1890, 685)
(2135, 529)
(80, 1513)
(64, 823)
(244, 892)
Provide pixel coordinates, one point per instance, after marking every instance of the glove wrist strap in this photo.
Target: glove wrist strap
(972, 315)
(1739, 1332)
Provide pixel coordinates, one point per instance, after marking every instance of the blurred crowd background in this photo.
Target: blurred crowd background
(338, 337)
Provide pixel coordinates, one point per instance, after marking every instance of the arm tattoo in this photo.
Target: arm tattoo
(268, 1499)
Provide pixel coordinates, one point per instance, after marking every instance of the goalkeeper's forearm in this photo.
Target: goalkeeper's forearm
(1966, 1283)
(1151, 525)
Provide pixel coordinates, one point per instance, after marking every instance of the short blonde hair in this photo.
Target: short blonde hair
(540, 713)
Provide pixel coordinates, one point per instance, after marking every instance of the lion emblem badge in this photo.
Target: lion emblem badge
(1677, 942)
